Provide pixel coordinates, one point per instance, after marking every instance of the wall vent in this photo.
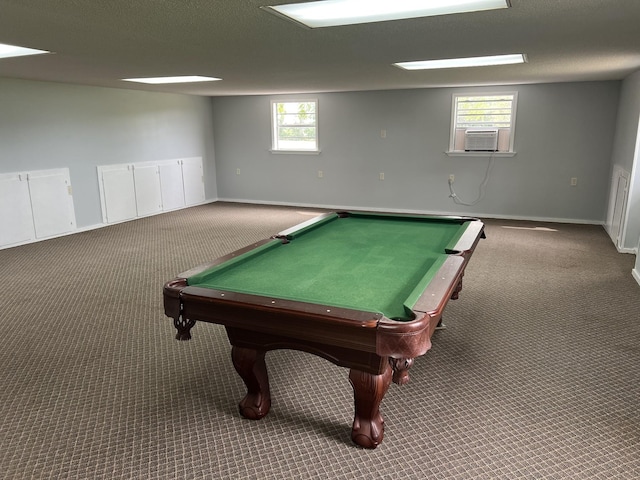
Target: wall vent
(481, 140)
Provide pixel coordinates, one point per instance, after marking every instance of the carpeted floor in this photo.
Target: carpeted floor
(536, 376)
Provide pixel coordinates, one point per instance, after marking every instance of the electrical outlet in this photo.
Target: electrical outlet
(237, 171)
(320, 174)
(381, 175)
(452, 177)
(574, 181)
(383, 133)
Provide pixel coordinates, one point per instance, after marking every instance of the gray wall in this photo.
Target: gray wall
(562, 130)
(624, 154)
(51, 125)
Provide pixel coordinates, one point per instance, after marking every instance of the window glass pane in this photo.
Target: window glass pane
(295, 126)
(485, 111)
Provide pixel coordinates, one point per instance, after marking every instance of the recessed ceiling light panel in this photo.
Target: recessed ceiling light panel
(181, 79)
(331, 13)
(7, 51)
(463, 62)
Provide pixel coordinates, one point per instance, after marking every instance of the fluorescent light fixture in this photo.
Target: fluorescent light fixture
(7, 51)
(182, 79)
(463, 62)
(331, 13)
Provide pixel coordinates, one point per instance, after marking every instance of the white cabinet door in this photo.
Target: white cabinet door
(193, 178)
(51, 202)
(16, 221)
(128, 191)
(147, 184)
(171, 186)
(119, 194)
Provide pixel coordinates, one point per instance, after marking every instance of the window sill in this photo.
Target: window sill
(295, 152)
(457, 153)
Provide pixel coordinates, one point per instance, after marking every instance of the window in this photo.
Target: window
(295, 126)
(483, 123)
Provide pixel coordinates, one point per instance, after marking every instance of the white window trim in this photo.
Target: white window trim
(459, 153)
(452, 130)
(295, 152)
(273, 150)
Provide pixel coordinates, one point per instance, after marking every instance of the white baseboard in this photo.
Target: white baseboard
(636, 274)
(66, 234)
(97, 226)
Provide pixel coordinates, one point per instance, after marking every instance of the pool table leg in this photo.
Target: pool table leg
(457, 290)
(368, 391)
(250, 365)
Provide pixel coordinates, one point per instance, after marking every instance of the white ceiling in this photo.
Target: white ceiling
(99, 42)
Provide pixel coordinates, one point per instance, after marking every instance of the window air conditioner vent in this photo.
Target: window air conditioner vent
(481, 140)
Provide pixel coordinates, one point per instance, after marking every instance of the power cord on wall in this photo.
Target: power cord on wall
(457, 200)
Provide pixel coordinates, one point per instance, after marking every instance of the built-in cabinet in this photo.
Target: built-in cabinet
(35, 205)
(133, 190)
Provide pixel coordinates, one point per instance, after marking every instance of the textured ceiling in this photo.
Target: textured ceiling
(99, 42)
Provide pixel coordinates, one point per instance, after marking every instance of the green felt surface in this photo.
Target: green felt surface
(366, 262)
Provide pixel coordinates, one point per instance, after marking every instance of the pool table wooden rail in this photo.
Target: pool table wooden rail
(319, 324)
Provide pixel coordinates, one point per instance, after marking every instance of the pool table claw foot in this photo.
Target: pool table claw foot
(183, 326)
(251, 367)
(368, 391)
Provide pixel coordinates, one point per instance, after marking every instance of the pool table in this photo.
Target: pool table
(362, 290)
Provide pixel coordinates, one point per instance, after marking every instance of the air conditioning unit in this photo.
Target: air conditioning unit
(481, 140)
